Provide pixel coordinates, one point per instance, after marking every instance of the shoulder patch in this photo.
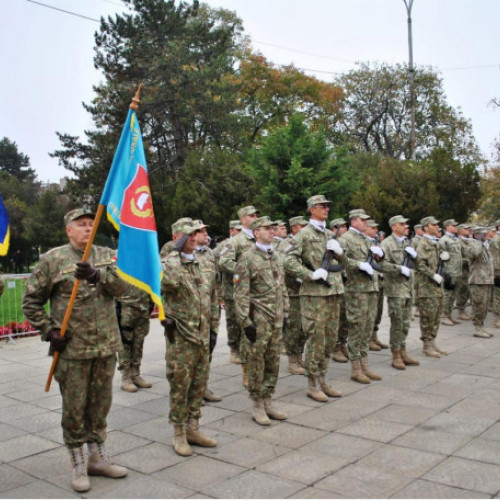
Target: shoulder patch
(236, 278)
(225, 249)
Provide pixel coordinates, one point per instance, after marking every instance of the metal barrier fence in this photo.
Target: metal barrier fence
(12, 321)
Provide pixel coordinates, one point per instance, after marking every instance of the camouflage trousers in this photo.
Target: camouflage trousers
(342, 329)
(86, 390)
(263, 359)
(495, 303)
(462, 292)
(430, 309)
(187, 374)
(480, 299)
(450, 296)
(361, 310)
(379, 310)
(293, 335)
(320, 320)
(133, 335)
(400, 314)
(232, 327)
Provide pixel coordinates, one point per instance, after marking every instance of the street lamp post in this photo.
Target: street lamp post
(411, 77)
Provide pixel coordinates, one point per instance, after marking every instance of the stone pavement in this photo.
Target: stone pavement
(426, 432)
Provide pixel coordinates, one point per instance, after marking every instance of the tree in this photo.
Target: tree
(15, 163)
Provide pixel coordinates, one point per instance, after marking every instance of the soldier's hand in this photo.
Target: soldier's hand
(366, 268)
(438, 278)
(411, 251)
(320, 274)
(169, 325)
(334, 246)
(251, 333)
(405, 271)
(213, 340)
(84, 271)
(57, 343)
(377, 251)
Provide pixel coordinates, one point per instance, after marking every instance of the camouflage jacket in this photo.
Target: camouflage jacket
(481, 270)
(415, 241)
(190, 296)
(452, 245)
(304, 254)
(232, 251)
(225, 280)
(291, 282)
(259, 289)
(495, 253)
(426, 266)
(464, 244)
(357, 249)
(166, 249)
(136, 299)
(93, 327)
(395, 283)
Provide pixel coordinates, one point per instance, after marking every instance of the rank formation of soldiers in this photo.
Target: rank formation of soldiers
(315, 293)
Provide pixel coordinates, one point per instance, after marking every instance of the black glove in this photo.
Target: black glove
(84, 271)
(251, 333)
(213, 341)
(285, 323)
(57, 343)
(169, 325)
(497, 280)
(447, 282)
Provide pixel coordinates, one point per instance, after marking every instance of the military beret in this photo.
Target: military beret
(371, 223)
(450, 222)
(235, 224)
(397, 219)
(180, 222)
(299, 219)
(337, 222)
(264, 221)
(428, 220)
(250, 210)
(316, 200)
(358, 212)
(76, 214)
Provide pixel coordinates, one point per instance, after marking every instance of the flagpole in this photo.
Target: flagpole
(88, 247)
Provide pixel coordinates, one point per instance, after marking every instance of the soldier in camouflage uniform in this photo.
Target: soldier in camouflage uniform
(176, 234)
(192, 319)
(429, 287)
(452, 269)
(229, 255)
(398, 289)
(87, 358)
(481, 280)
(319, 303)
(279, 232)
(261, 304)
(293, 335)
(495, 255)
(133, 310)
(418, 235)
(361, 295)
(462, 295)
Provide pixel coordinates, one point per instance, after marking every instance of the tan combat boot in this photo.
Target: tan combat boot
(314, 392)
(273, 412)
(496, 324)
(437, 349)
(446, 320)
(234, 357)
(345, 350)
(397, 360)
(429, 351)
(79, 479)
(99, 464)
(259, 413)
(482, 333)
(127, 384)
(194, 436)
(378, 341)
(294, 366)
(373, 346)
(210, 396)
(244, 369)
(407, 360)
(328, 389)
(338, 355)
(463, 315)
(364, 366)
(138, 380)
(357, 373)
(181, 446)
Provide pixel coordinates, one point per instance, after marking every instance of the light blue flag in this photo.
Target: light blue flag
(4, 229)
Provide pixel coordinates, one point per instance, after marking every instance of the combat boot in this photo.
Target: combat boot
(272, 412)
(429, 351)
(437, 349)
(210, 396)
(244, 369)
(344, 350)
(234, 357)
(127, 384)
(407, 360)
(138, 380)
(338, 355)
(481, 333)
(378, 341)
(416, 312)
(373, 346)
(99, 464)
(194, 436)
(181, 446)
(364, 366)
(463, 315)
(446, 320)
(397, 360)
(314, 392)
(496, 324)
(328, 389)
(454, 320)
(357, 373)
(259, 413)
(79, 479)
(293, 365)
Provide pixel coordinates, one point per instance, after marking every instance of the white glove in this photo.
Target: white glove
(334, 246)
(438, 278)
(320, 274)
(364, 266)
(377, 251)
(411, 251)
(405, 271)
(298, 280)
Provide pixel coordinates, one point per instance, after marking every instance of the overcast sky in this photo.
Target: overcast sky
(47, 56)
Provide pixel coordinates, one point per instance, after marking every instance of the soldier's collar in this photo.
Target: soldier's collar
(267, 249)
(319, 225)
(248, 232)
(188, 256)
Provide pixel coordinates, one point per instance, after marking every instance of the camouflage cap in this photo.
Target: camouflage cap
(497, 223)
(299, 219)
(187, 228)
(417, 226)
(428, 220)
(396, 219)
(250, 210)
(358, 212)
(338, 222)
(279, 222)
(235, 224)
(180, 222)
(463, 226)
(262, 222)
(76, 214)
(478, 229)
(371, 223)
(450, 222)
(199, 224)
(316, 200)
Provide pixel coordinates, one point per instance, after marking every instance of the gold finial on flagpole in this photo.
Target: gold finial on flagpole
(135, 100)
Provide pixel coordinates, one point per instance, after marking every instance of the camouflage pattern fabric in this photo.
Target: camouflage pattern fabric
(462, 285)
(400, 314)
(166, 249)
(453, 267)
(480, 298)
(495, 255)
(430, 316)
(342, 329)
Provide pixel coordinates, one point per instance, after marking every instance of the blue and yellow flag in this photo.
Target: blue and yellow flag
(4, 229)
(130, 209)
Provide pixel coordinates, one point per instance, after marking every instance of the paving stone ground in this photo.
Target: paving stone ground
(431, 431)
